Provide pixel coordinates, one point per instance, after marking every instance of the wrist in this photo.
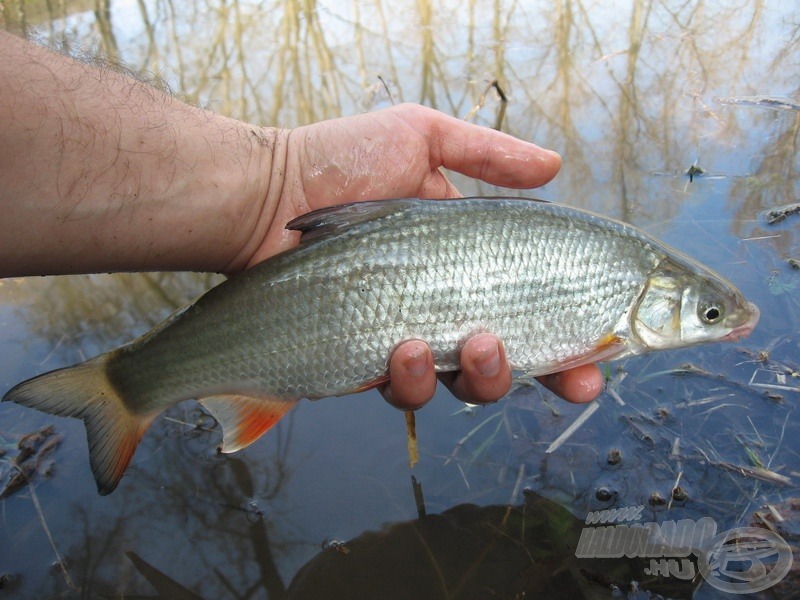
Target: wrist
(257, 215)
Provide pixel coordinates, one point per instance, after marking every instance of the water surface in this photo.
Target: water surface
(634, 98)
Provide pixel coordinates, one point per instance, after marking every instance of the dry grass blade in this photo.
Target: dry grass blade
(615, 395)
(779, 379)
(514, 494)
(689, 369)
(411, 433)
(576, 424)
(469, 435)
(674, 487)
(59, 561)
(775, 514)
(714, 399)
(760, 473)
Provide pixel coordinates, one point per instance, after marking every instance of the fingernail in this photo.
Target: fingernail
(553, 153)
(488, 361)
(417, 363)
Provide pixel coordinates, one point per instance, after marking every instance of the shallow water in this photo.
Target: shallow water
(633, 99)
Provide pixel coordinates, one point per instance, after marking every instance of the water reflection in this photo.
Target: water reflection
(218, 525)
(83, 315)
(470, 552)
(627, 95)
(639, 78)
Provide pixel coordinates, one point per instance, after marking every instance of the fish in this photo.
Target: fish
(561, 286)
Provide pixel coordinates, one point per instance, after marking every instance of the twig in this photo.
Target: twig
(779, 213)
(411, 435)
(482, 100)
(388, 91)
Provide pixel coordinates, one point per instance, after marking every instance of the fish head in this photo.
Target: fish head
(686, 304)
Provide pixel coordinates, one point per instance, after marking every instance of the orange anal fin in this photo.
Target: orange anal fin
(244, 419)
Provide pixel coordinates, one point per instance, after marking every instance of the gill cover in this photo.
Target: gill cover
(656, 318)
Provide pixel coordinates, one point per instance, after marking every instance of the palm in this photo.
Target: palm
(377, 156)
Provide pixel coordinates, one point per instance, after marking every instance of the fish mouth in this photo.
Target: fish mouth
(745, 329)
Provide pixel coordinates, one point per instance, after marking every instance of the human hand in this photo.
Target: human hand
(393, 153)
(398, 153)
(485, 376)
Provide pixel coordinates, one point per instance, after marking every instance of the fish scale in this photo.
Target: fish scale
(560, 286)
(448, 292)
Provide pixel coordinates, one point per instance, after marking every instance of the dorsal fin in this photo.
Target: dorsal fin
(330, 220)
(333, 219)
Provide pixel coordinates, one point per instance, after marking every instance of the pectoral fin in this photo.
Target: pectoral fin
(607, 348)
(244, 419)
(371, 384)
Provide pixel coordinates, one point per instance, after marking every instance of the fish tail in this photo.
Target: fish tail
(85, 392)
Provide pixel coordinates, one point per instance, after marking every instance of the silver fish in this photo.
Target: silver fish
(562, 287)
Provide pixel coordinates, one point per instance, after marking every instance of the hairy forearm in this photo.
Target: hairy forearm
(101, 172)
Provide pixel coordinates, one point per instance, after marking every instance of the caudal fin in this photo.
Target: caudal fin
(84, 392)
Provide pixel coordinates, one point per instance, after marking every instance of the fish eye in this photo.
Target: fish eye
(710, 312)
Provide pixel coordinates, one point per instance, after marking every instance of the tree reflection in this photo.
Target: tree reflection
(232, 522)
(578, 73)
(84, 315)
(625, 94)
